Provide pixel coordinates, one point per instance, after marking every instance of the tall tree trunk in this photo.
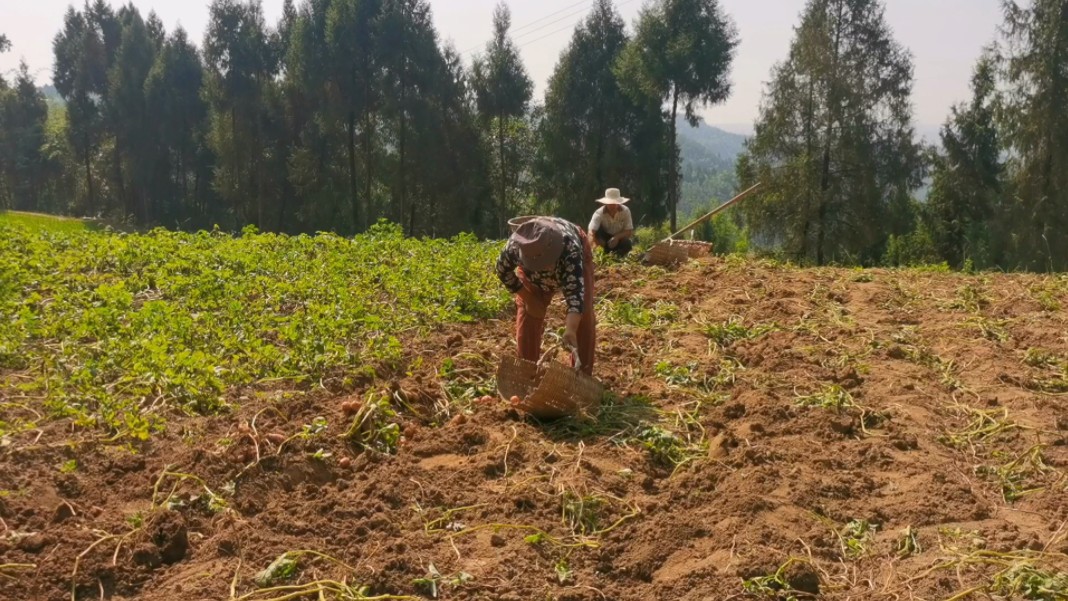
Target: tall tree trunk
(598, 154)
(673, 185)
(403, 148)
(821, 216)
(257, 162)
(806, 228)
(832, 113)
(128, 203)
(369, 162)
(352, 173)
(235, 175)
(1049, 194)
(288, 192)
(89, 177)
(503, 206)
(145, 205)
(5, 197)
(183, 174)
(368, 141)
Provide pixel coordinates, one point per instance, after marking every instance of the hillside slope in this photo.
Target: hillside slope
(849, 434)
(708, 156)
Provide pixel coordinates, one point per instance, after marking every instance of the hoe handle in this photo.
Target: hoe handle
(716, 211)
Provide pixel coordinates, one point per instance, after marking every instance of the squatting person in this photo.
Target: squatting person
(612, 226)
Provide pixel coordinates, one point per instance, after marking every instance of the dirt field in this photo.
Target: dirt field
(774, 434)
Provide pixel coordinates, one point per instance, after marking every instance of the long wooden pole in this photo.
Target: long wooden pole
(716, 211)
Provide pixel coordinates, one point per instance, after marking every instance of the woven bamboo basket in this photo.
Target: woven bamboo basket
(515, 222)
(548, 389)
(673, 252)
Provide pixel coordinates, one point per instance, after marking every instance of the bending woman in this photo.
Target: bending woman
(543, 255)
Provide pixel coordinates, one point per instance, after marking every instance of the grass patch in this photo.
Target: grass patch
(617, 419)
(635, 422)
(775, 586)
(971, 298)
(1029, 582)
(638, 313)
(1017, 476)
(582, 513)
(900, 297)
(115, 330)
(991, 329)
(374, 427)
(1020, 575)
(733, 330)
(668, 448)
(1038, 357)
(855, 538)
(861, 276)
(908, 543)
(678, 375)
(1047, 296)
(464, 378)
(832, 396)
(983, 425)
(40, 222)
(1052, 385)
(701, 385)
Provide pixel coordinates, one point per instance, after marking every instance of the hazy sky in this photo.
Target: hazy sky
(945, 37)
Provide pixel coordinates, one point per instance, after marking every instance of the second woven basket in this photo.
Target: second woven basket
(673, 252)
(548, 389)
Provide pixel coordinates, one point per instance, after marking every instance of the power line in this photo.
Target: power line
(543, 26)
(565, 17)
(552, 14)
(548, 35)
(562, 29)
(571, 11)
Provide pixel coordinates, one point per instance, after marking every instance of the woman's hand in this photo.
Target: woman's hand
(571, 326)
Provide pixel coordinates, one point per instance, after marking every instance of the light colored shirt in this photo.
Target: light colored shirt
(612, 224)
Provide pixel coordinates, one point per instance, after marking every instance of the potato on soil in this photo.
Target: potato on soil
(516, 400)
(459, 420)
(351, 407)
(344, 462)
(276, 437)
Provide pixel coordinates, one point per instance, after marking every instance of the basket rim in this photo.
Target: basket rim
(549, 395)
(515, 222)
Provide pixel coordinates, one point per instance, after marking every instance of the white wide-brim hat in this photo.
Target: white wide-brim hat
(612, 197)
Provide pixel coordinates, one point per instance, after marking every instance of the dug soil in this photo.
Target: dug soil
(772, 433)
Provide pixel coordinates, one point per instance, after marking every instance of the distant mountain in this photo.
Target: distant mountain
(929, 134)
(708, 156)
(716, 141)
(51, 94)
